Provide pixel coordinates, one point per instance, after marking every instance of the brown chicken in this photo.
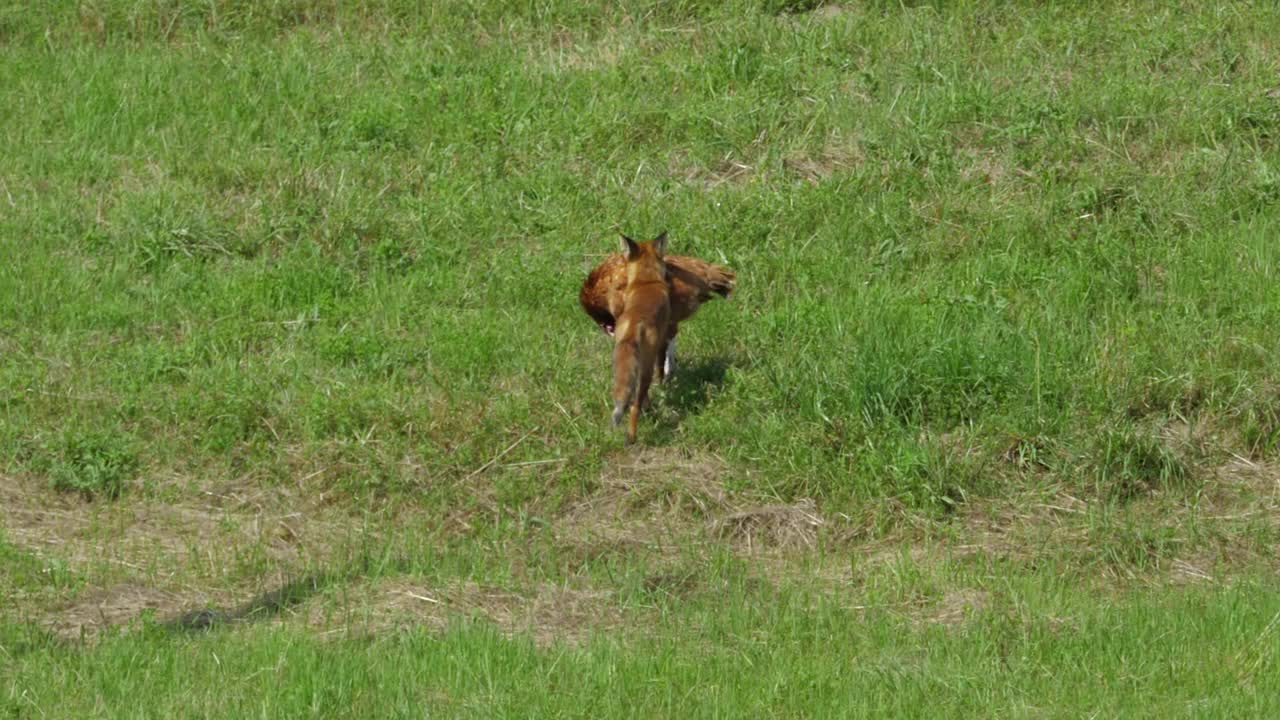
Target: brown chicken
(692, 282)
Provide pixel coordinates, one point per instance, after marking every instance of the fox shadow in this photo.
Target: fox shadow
(692, 386)
(266, 605)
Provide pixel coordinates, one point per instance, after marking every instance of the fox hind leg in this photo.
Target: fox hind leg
(641, 402)
(633, 423)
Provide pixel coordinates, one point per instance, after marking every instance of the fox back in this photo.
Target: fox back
(641, 329)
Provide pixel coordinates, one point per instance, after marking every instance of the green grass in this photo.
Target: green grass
(1040, 649)
(320, 259)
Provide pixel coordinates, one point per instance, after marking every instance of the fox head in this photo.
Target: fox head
(645, 259)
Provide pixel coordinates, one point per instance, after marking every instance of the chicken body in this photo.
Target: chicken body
(692, 282)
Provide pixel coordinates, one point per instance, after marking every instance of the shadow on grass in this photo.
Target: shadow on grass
(693, 384)
(264, 606)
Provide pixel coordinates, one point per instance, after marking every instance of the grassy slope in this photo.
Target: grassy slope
(743, 659)
(983, 252)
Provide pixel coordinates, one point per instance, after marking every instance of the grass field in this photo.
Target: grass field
(299, 415)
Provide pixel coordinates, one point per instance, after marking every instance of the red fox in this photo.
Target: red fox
(690, 282)
(641, 332)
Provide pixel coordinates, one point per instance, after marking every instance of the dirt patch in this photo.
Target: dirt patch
(547, 612)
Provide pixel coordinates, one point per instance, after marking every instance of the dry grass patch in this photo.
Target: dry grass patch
(669, 510)
(207, 546)
(1019, 530)
(204, 534)
(728, 170)
(549, 613)
(663, 498)
(984, 165)
(838, 154)
(830, 11)
(1241, 481)
(958, 605)
(651, 499)
(785, 527)
(1231, 523)
(100, 609)
(566, 52)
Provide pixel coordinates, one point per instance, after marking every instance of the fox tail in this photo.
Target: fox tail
(626, 376)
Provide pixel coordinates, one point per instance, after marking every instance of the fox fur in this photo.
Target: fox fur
(640, 336)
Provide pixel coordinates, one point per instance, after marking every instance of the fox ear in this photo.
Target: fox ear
(629, 247)
(660, 243)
